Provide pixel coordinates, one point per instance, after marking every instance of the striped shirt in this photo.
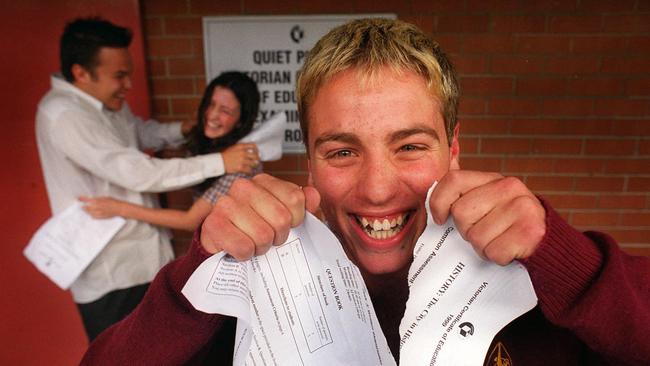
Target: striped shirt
(222, 184)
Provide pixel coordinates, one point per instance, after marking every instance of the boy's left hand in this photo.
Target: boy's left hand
(498, 215)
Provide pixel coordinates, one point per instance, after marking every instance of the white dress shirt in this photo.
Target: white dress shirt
(87, 150)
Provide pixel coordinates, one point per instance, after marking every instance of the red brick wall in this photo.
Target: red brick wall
(554, 92)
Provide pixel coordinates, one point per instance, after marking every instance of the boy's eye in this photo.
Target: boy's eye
(409, 148)
(340, 154)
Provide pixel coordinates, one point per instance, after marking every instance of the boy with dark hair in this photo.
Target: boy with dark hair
(82, 39)
(90, 144)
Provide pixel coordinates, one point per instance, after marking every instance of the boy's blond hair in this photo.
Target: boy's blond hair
(370, 45)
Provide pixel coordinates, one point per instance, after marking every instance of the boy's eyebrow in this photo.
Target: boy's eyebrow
(392, 138)
(402, 134)
(341, 137)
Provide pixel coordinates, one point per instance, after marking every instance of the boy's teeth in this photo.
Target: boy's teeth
(381, 234)
(382, 229)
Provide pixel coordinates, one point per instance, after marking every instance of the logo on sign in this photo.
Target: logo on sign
(297, 34)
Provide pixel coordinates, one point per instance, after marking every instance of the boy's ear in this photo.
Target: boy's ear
(454, 150)
(80, 74)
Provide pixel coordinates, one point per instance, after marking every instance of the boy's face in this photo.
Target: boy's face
(111, 78)
(375, 149)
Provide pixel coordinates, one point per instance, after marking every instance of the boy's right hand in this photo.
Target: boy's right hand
(256, 214)
(241, 158)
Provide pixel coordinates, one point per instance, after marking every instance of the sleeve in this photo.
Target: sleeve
(164, 329)
(155, 135)
(96, 148)
(221, 185)
(587, 284)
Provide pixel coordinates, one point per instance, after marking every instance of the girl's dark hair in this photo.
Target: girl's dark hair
(248, 96)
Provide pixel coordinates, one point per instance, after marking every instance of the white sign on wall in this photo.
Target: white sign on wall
(271, 50)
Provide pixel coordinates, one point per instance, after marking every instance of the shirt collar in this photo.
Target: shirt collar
(59, 83)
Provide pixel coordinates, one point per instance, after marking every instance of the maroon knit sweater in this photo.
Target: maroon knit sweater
(594, 309)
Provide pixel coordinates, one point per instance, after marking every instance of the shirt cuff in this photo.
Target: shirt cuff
(177, 130)
(175, 133)
(564, 264)
(213, 165)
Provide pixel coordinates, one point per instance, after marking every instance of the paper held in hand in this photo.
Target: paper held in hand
(299, 304)
(268, 137)
(457, 301)
(305, 303)
(67, 242)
